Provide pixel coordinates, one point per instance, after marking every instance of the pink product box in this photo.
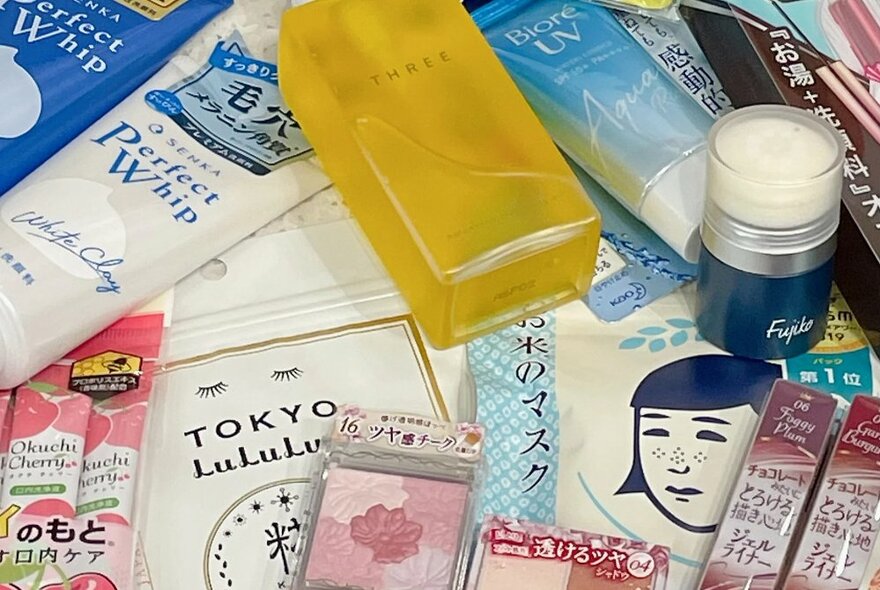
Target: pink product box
(841, 529)
(552, 558)
(773, 487)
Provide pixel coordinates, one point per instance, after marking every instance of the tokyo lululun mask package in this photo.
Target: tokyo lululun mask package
(771, 494)
(841, 529)
(553, 558)
(276, 344)
(393, 501)
(65, 63)
(467, 202)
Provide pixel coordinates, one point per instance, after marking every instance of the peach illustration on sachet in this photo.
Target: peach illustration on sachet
(50, 507)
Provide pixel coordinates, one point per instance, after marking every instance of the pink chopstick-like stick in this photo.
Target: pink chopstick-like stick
(860, 27)
(855, 106)
(858, 89)
(843, 13)
(870, 30)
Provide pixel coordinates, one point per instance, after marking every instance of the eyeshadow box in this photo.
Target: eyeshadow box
(392, 505)
(553, 558)
(772, 490)
(839, 534)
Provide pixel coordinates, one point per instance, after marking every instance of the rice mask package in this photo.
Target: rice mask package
(264, 349)
(64, 63)
(629, 429)
(199, 157)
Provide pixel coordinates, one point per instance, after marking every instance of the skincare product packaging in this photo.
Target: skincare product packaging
(459, 188)
(393, 505)
(768, 499)
(610, 107)
(772, 208)
(65, 63)
(196, 159)
(840, 532)
(552, 558)
(674, 48)
(291, 339)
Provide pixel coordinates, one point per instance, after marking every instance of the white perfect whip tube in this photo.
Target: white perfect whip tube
(123, 212)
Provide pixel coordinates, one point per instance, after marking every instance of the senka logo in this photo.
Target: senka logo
(417, 66)
(550, 35)
(788, 329)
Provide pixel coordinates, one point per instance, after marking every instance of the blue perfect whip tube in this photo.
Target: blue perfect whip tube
(65, 63)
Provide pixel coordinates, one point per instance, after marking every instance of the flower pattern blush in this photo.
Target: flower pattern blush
(438, 506)
(408, 527)
(351, 492)
(333, 543)
(388, 533)
(429, 570)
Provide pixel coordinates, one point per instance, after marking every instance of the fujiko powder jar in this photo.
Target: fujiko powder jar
(768, 232)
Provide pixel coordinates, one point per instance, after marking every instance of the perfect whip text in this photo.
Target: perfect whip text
(76, 33)
(140, 164)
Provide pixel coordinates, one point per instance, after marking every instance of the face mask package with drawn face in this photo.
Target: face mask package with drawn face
(630, 429)
(263, 350)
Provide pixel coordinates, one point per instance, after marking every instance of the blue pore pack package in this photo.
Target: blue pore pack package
(65, 63)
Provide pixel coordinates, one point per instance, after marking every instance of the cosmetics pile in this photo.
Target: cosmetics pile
(533, 186)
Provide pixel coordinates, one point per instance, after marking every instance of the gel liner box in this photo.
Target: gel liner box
(553, 558)
(458, 187)
(771, 494)
(841, 528)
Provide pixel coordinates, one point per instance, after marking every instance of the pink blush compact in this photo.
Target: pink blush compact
(380, 531)
(393, 504)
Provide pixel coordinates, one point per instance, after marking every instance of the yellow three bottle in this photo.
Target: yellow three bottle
(459, 189)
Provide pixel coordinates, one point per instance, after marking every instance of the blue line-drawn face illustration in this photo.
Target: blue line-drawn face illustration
(685, 415)
(20, 99)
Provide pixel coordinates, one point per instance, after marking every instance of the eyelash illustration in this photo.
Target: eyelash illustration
(287, 374)
(218, 388)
